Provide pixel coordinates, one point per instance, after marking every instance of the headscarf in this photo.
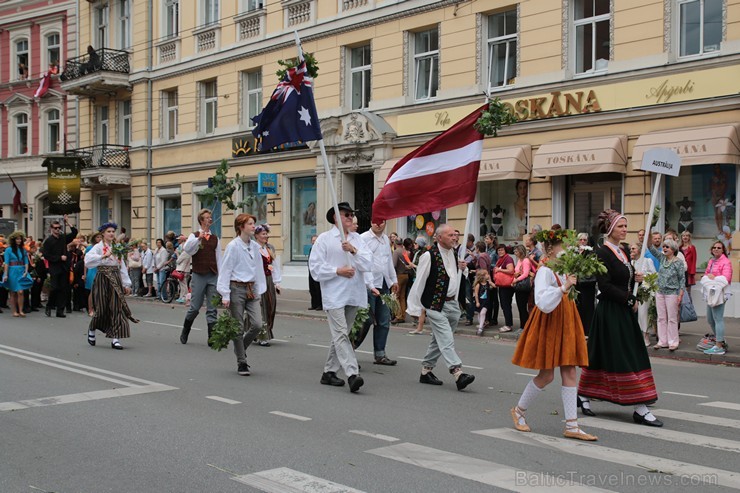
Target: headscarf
(608, 219)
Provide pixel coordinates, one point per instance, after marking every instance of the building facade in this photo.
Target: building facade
(35, 38)
(594, 84)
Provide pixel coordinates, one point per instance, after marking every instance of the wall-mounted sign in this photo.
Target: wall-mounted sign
(248, 145)
(267, 183)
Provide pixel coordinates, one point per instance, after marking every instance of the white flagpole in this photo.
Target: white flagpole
(653, 201)
(327, 171)
(464, 241)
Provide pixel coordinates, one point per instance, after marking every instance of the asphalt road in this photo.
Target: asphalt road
(163, 417)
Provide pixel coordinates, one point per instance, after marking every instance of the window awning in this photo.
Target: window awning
(506, 163)
(714, 144)
(566, 157)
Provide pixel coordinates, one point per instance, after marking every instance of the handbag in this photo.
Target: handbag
(177, 274)
(688, 314)
(503, 279)
(524, 285)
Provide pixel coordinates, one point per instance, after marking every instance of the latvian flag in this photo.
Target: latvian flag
(44, 85)
(440, 174)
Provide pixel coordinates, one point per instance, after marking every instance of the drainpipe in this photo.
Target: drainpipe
(149, 89)
(77, 53)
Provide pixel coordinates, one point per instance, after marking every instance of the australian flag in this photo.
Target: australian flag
(290, 116)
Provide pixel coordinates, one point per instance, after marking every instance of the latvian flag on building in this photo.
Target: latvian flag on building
(44, 85)
(440, 174)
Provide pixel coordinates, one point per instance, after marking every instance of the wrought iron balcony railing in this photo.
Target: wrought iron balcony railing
(100, 60)
(103, 156)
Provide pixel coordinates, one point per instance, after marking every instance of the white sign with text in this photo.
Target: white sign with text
(661, 160)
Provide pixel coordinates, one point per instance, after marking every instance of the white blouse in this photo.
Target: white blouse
(94, 258)
(547, 293)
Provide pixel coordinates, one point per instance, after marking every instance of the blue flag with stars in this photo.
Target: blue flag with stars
(290, 116)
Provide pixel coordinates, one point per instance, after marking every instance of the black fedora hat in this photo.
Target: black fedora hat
(343, 206)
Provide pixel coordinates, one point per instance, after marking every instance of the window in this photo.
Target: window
(303, 216)
(700, 26)
(101, 26)
(21, 134)
(124, 136)
(251, 5)
(53, 49)
(53, 133)
(209, 115)
(502, 39)
(426, 64)
(258, 206)
(360, 76)
(124, 34)
(102, 133)
(172, 18)
(169, 101)
(420, 224)
(104, 211)
(210, 12)
(171, 214)
(252, 96)
(21, 57)
(592, 19)
(214, 207)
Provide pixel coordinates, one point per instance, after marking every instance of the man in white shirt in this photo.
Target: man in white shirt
(435, 290)
(339, 266)
(241, 282)
(377, 281)
(147, 266)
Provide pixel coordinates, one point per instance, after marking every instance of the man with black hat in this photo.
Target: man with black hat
(339, 265)
(55, 252)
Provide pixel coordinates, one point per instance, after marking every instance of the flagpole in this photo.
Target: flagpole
(464, 243)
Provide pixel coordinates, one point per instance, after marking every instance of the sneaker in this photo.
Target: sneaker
(706, 342)
(716, 350)
(243, 369)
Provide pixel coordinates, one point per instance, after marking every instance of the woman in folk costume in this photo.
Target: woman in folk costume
(272, 275)
(618, 364)
(553, 338)
(111, 284)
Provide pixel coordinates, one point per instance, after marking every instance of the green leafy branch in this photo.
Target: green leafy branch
(494, 118)
(222, 189)
(225, 330)
(311, 65)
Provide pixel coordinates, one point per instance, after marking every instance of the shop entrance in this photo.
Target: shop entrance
(363, 200)
(590, 194)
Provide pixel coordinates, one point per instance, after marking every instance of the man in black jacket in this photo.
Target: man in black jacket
(55, 252)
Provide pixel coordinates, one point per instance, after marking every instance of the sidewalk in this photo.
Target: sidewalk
(296, 302)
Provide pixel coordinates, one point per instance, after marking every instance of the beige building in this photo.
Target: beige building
(594, 83)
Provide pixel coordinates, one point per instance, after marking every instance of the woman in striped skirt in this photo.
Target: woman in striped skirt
(111, 284)
(272, 275)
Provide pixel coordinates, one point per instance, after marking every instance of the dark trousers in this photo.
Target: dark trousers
(3, 298)
(314, 288)
(38, 285)
(522, 297)
(59, 294)
(493, 306)
(505, 295)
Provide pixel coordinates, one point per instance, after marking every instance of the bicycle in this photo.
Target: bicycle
(170, 288)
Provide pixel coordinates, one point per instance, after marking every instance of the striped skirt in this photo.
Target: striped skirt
(112, 314)
(269, 307)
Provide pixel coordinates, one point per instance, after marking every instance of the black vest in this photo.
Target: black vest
(435, 290)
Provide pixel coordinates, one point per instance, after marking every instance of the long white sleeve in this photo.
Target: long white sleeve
(547, 293)
(413, 301)
(125, 279)
(224, 271)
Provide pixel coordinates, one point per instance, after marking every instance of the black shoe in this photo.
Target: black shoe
(585, 410)
(263, 343)
(355, 382)
(243, 369)
(186, 326)
(384, 360)
(34, 309)
(468, 323)
(430, 379)
(640, 420)
(47, 310)
(331, 378)
(116, 345)
(464, 380)
(91, 338)
(61, 315)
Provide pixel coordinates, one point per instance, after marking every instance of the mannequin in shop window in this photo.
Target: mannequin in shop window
(483, 217)
(497, 220)
(685, 215)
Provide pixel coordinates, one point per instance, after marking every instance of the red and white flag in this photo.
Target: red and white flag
(44, 85)
(440, 174)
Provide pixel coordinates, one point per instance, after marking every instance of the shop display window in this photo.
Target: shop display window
(503, 209)
(424, 224)
(702, 200)
(302, 216)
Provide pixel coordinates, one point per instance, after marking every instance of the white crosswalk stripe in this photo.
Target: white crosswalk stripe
(283, 479)
(700, 418)
(722, 405)
(592, 450)
(663, 434)
(481, 471)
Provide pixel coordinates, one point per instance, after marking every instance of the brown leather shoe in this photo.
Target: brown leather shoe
(384, 360)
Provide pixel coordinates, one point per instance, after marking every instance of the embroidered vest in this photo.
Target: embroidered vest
(204, 260)
(435, 290)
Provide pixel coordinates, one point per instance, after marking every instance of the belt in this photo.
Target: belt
(450, 298)
(241, 283)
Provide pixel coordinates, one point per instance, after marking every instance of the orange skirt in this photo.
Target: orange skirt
(551, 340)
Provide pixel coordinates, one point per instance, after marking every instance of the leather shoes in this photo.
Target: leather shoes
(464, 380)
(640, 420)
(384, 360)
(355, 382)
(47, 311)
(430, 378)
(585, 410)
(331, 378)
(61, 315)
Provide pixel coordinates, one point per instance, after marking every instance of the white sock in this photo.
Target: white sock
(482, 318)
(115, 341)
(457, 373)
(425, 370)
(531, 391)
(570, 406)
(643, 411)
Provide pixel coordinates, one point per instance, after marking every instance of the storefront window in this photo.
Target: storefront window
(258, 205)
(215, 207)
(702, 200)
(172, 217)
(424, 224)
(503, 209)
(303, 216)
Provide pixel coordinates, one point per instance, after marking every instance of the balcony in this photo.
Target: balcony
(103, 71)
(105, 165)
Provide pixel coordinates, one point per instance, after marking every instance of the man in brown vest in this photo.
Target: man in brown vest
(205, 248)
